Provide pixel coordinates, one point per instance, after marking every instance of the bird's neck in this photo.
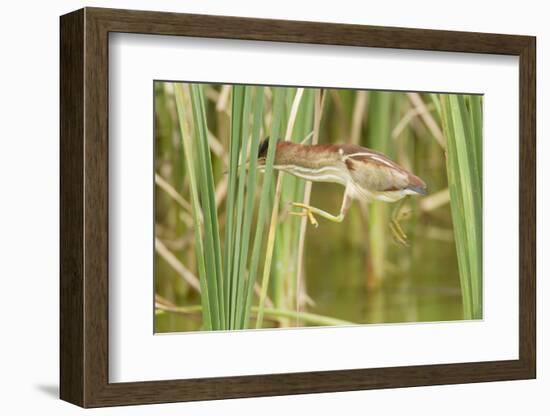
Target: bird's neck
(316, 163)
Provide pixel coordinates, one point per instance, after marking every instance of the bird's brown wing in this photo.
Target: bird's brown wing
(374, 174)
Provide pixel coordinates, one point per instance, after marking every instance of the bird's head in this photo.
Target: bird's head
(262, 152)
(261, 158)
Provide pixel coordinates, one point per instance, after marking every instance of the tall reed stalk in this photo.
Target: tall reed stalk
(225, 290)
(300, 115)
(379, 129)
(462, 124)
(204, 244)
(279, 96)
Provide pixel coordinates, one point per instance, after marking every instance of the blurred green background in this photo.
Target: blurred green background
(352, 271)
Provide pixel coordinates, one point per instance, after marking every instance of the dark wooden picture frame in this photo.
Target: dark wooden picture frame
(84, 207)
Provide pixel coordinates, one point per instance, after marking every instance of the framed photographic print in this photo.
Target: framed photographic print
(255, 207)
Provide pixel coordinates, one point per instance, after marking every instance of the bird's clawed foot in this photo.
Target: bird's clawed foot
(398, 233)
(305, 212)
(399, 214)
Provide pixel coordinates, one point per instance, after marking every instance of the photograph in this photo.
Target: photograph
(279, 207)
(259, 204)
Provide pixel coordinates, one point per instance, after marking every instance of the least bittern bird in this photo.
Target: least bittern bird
(366, 175)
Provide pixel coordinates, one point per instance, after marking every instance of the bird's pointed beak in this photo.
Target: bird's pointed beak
(261, 164)
(420, 190)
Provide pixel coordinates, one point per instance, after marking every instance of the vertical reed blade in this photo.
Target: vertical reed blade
(250, 177)
(379, 128)
(463, 129)
(237, 273)
(235, 145)
(279, 95)
(210, 320)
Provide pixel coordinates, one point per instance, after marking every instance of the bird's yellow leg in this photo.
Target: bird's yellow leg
(395, 227)
(305, 213)
(308, 211)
